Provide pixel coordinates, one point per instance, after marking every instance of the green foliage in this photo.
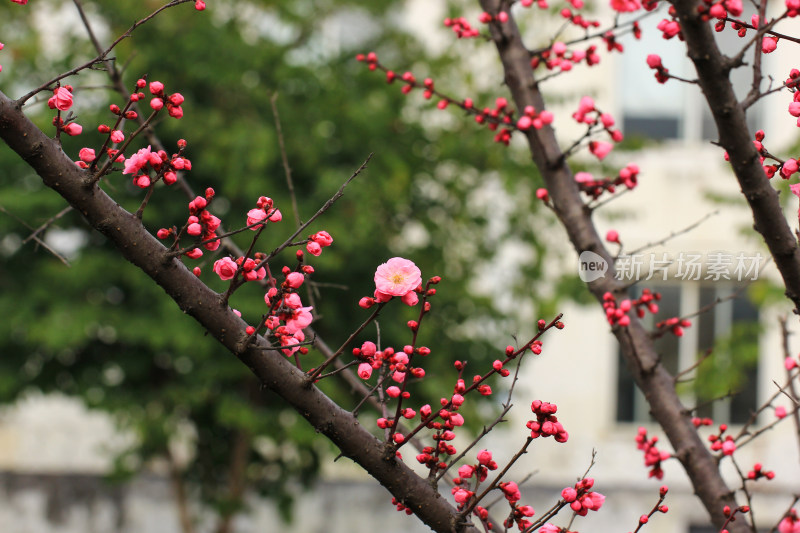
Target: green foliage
(735, 356)
(99, 330)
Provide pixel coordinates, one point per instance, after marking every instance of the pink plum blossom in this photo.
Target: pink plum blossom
(295, 279)
(364, 370)
(225, 268)
(62, 98)
(254, 216)
(790, 524)
(137, 161)
(796, 191)
(300, 318)
(87, 155)
(625, 6)
(396, 277)
(313, 248)
(72, 129)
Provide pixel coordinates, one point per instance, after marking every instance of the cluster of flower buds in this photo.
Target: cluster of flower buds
(757, 473)
(721, 442)
(534, 119)
(200, 223)
(226, 268)
(486, 18)
(499, 119)
(287, 315)
(372, 62)
(587, 113)
(792, 82)
(264, 210)
(662, 72)
(670, 27)
(618, 314)
(519, 515)
(699, 422)
(720, 9)
(461, 27)
(675, 325)
(581, 499)
(576, 19)
(501, 114)
(165, 167)
(589, 185)
(790, 523)
(160, 98)
(653, 457)
(625, 6)
(466, 473)
(62, 101)
(318, 241)
(546, 423)
(730, 514)
(558, 56)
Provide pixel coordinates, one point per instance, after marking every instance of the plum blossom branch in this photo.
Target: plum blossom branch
(315, 374)
(327, 205)
(103, 56)
(33, 236)
(783, 321)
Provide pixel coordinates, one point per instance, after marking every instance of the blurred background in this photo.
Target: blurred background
(119, 415)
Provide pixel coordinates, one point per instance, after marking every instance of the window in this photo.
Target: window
(728, 377)
(672, 110)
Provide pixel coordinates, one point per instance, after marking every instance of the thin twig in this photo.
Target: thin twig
(103, 56)
(793, 397)
(47, 224)
(327, 205)
(315, 375)
(37, 239)
(674, 234)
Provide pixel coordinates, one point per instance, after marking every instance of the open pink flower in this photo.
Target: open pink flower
(137, 161)
(255, 215)
(300, 318)
(396, 277)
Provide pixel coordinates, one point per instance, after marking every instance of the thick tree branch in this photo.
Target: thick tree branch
(651, 377)
(193, 297)
(734, 136)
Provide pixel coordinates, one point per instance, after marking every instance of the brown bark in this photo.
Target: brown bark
(651, 377)
(193, 297)
(713, 76)
(237, 481)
